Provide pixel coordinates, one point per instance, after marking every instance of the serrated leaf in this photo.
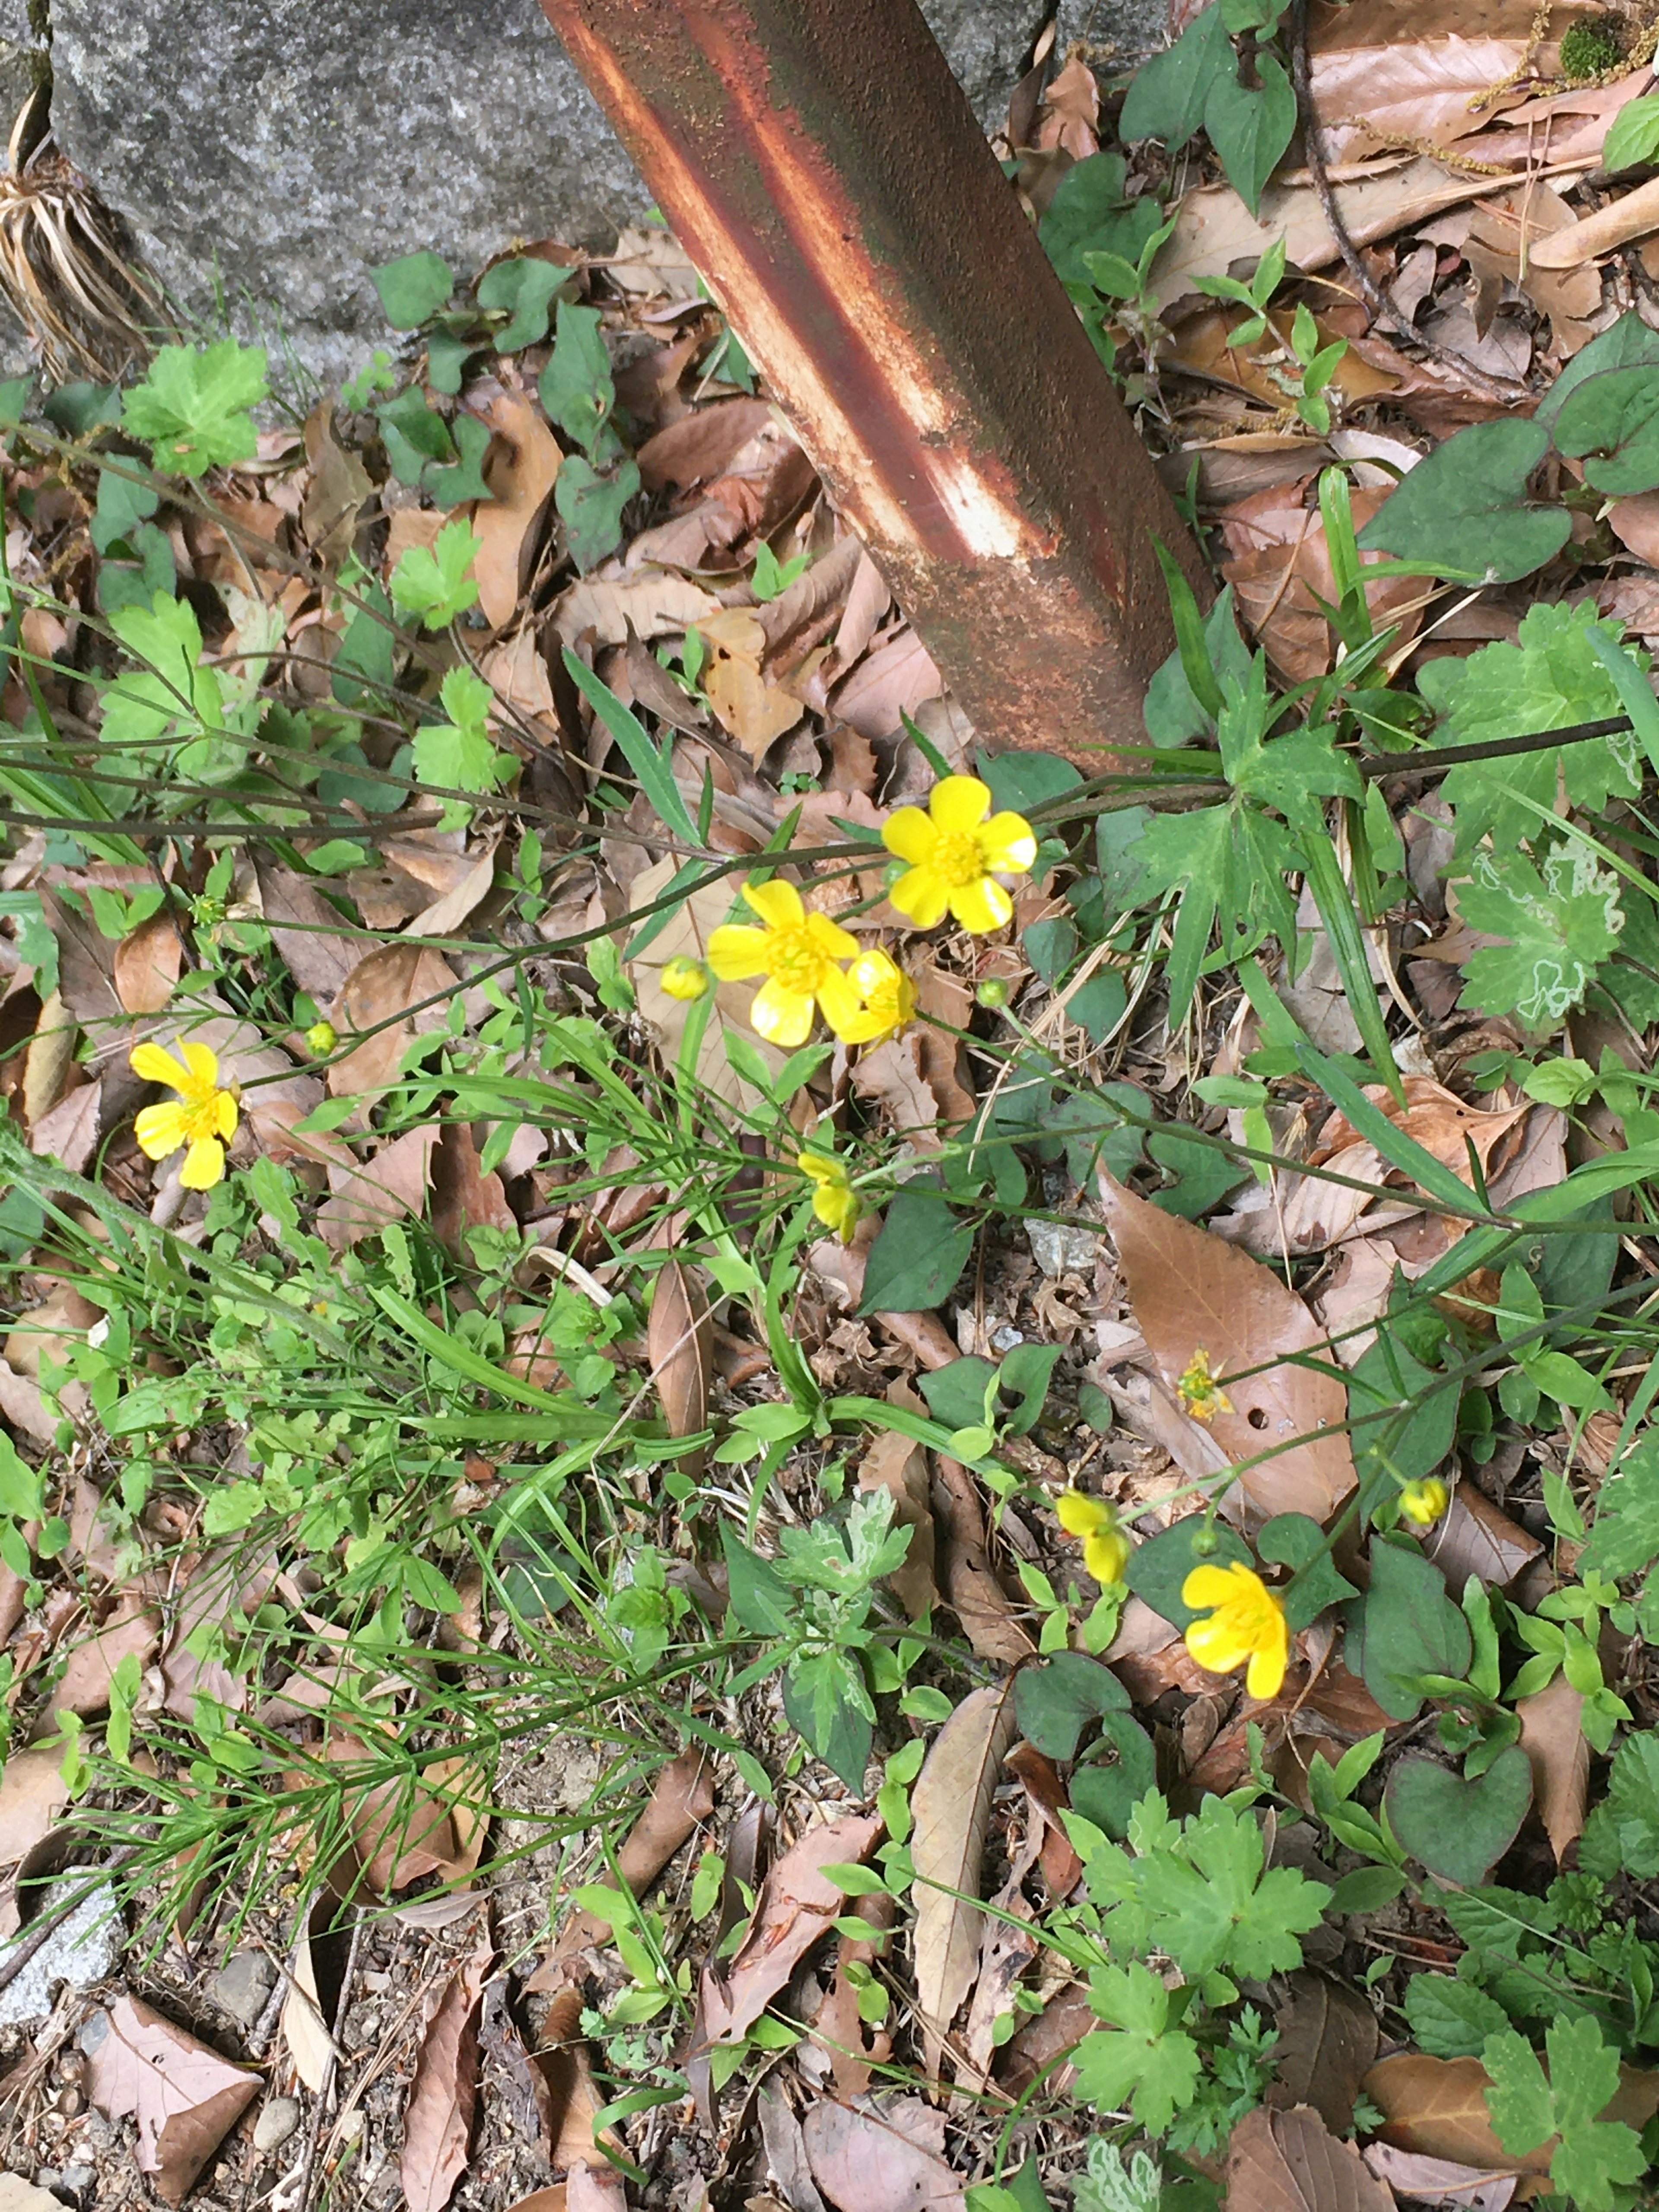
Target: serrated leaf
(432, 583)
(1215, 1907)
(1450, 2019)
(1622, 1833)
(1141, 2061)
(1624, 1539)
(1559, 926)
(1464, 506)
(192, 408)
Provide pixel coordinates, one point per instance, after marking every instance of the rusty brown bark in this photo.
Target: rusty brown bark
(826, 175)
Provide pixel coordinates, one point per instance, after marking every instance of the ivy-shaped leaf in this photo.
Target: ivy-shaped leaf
(1464, 506)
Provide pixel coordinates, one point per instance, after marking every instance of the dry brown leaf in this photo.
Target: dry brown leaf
(1191, 1293)
(1279, 584)
(339, 484)
(384, 1189)
(891, 1073)
(1438, 2107)
(1071, 111)
(183, 2095)
(1394, 75)
(867, 601)
(445, 916)
(795, 1908)
(147, 964)
(951, 1807)
(31, 1795)
(881, 2154)
(438, 2118)
(656, 603)
(1328, 2037)
(1635, 216)
(700, 446)
(305, 2031)
(1635, 523)
(71, 1131)
(1438, 2181)
(977, 1598)
(521, 475)
(401, 1831)
(679, 1344)
(888, 684)
(49, 1059)
(315, 941)
(1553, 1737)
(84, 1684)
(747, 704)
(1474, 1537)
(397, 990)
(1289, 2162)
(462, 1196)
(86, 979)
(898, 1465)
(23, 1406)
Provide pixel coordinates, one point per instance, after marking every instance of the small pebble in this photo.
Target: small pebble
(277, 2122)
(77, 2181)
(243, 1984)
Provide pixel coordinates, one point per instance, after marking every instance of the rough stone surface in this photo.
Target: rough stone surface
(242, 1985)
(278, 2117)
(82, 1950)
(17, 2195)
(277, 150)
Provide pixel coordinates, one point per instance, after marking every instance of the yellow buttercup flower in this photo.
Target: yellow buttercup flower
(888, 996)
(1426, 1501)
(1247, 1622)
(956, 854)
(834, 1199)
(1198, 1390)
(203, 1117)
(1105, 1547)
(797, 953)
(683, 978)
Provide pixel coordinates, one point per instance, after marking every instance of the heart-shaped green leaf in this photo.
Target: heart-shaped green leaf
(1295, 1539)
(1464, 506)
(1408, 1627)
(1108, 1795)
(1055, 1702)
(1458, 1829)
(1615, 418)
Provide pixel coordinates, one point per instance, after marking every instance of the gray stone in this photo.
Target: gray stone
(17, 2195)
(243, 1984)
(272, 152)
(1062, 1251)
(77, 2181)
(277, 2122)
(83, 1949)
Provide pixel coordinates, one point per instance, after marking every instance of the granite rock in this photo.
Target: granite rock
(268, 154)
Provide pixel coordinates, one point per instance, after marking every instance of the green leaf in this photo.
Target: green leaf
(1091, 213)
(465, 480)
(1622, 1832)
(458, 755)
(1551, 678)
(1195, 854)
(1408, 1627)
(1451, 2019)
(1142, 2061)
(414, 435)
(1460, 1829)
(1627, 343)
(526, 289)
(192, 406)
(1527, 2107)
(1558, 927)
(21, 1486)
(825, 1698)
(122, 504)
(1519, 2098)
(1172, 714)
(1633, 136)
(651, 765)
(1624, 1539)
(761, 1601)
(917, 1259)
(1216, 1909)
(1055, 1701)
(1157, 1569)
(1168, 94)
(1613, 419)
(591, 507)
(955, 1392)
(412, 288)
(433, 583)
(1400, 1446)
(1250, 127)
(576, 388)
(1021, 781)
(1108, 1795)
(1464, 508)
(1296, 1540)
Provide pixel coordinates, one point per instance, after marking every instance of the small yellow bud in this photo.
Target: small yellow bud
(683, 978)
(993, 993)
(1426, 1501)
(322, 1037)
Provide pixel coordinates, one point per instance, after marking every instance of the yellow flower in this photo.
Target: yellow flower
(1105, 1547)
(322, 1037)
(1198, 1390)
(1426, 1501)
(1247, 1622)
(955, 853)
(834, 1199)
(797, 952)
(683, 978)
(888, 996)
(203, 1117)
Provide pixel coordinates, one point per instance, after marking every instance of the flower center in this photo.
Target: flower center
(796, 961)
(957, 860)
(200, 1118)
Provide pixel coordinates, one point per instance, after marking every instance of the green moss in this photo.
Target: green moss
(1590, 48)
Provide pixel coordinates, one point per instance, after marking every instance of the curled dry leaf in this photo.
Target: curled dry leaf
(1635, 216)
(69, 1132)
(1438, 2107)
(1438, 2181)
(520, 476)
(33, 1793)
(305, 2030)
(678, 1340)
(898, 1465)
(148, 963)
(438, 2119)
(1328, 2037)
(49, 1059)
(1191, 1293)
(401, 1829)
(656, 603)
(1475, 1537)
(443, 917)
(796, 1906)
(1553, 1737)
(881, 2154)
(184, 2097)
(339, 484)
(977, 1598)
(951, 1807)
(384, 1189)
(1291, 2162)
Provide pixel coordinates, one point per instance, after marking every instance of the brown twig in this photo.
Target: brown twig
(1379, 307)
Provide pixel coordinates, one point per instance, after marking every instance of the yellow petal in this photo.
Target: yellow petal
(908, 833)
(831, 938)
(777, 903)
(157, 1066)
(820, 1169)
(1267, 1663)
(735, 951)
(840, 1002)
(920, 897)
(204, 1164)
(1080, 1516)
(864, 1028)
(203, 1066)
(1215, 1646)
(873, 971)
(1105, 1556)
(982, 906)
(960, 803)
(224, 1114)
(1008, 842)
(161, 1129)
(1208, 1586)
(783, 1017)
